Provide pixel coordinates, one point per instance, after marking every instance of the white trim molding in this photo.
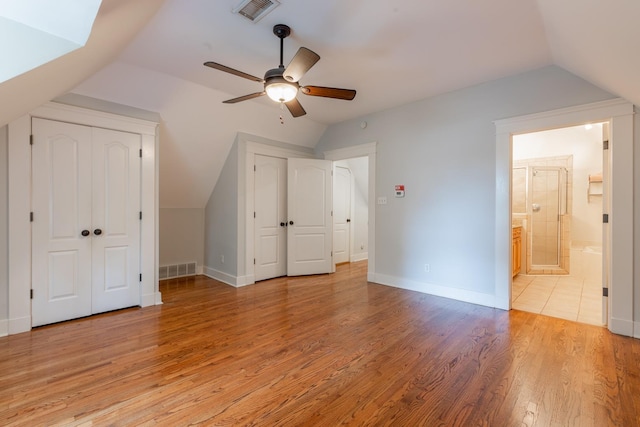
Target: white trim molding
(369, 151)
(20, 202)
(248, 147)
(435, 289)
(619, 113)
(227, 279)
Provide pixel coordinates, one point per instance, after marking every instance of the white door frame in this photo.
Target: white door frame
(20, 202)
(369, 151)
(248, 147)
(349, 213)
(620, 114)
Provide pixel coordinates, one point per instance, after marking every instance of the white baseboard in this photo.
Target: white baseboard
(621, 327)
(4, 328)
(359, 257)
(22, 324)
(151, 299)
(245, 280)
(437, 290)
(223, 277)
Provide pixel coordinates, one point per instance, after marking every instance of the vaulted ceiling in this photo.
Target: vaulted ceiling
(149, 54)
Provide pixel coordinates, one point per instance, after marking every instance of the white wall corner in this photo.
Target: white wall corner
(4, 328)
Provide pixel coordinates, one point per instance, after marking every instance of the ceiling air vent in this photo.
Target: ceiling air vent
(254, 10)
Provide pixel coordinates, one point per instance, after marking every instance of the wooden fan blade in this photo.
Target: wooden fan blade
(300, 64)
(244, 98)
(233, 71)
(329, 92)
(295, 108)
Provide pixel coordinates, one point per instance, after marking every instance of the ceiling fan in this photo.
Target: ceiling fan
(281, 84)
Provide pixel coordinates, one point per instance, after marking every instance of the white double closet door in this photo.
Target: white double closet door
(293, 217)
(86, 220)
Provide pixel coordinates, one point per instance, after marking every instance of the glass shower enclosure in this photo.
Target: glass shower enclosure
(548, 196)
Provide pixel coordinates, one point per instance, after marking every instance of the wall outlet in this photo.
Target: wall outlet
(382, 200)
(361, 246)
(427, 268)
(222, 259)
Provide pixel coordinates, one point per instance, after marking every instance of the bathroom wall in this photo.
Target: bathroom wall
(585, 147)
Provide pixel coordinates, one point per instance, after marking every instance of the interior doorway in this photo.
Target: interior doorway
(557, 205)
(350, 210)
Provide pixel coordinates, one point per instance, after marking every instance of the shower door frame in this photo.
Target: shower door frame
(562, 217)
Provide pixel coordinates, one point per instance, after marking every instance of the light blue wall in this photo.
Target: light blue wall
(221, 219)
(4, 241)
(181, 236)
(443, 150)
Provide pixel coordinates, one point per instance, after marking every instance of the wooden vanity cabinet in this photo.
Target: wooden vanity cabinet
(517, 249)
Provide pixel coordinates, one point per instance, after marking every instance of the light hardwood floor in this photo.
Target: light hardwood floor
(318, 351)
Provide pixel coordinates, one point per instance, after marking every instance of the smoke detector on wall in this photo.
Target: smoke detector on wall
(255, 10)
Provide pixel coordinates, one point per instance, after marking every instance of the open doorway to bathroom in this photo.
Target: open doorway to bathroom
(557, 204)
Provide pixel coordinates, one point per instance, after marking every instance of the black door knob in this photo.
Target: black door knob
(97, 232)
(348, 220)
(290, 222)
(282, 224)
(85, 233)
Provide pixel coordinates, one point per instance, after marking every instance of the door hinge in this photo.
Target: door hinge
(605, 218)
(141, 277)
(140, 214)
(30, 216)
(141, 153)
(31, 293)
(31, 139)
(254, 168)
(605, 292)
(254, 261)
(605, 144)
(254, 214)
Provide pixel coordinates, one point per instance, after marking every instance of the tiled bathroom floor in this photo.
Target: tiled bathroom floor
(566, 297)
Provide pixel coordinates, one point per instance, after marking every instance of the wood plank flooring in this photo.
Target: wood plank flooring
(317, 351)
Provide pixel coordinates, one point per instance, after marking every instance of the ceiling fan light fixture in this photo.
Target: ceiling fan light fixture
(281, 91)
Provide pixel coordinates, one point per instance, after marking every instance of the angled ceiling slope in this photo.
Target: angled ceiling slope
(35, 32)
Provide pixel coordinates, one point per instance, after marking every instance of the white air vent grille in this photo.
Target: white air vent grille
(254, 10)
(177, 270)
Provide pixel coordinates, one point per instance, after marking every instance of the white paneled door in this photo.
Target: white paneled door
(86, 227)
(310, 227)
(341, 215)
(270, 217)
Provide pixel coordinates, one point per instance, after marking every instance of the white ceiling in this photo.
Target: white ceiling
(391, 52)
